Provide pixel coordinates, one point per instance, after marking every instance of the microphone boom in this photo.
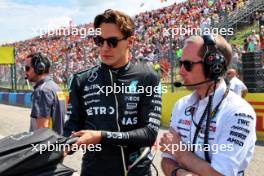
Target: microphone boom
(179, 84)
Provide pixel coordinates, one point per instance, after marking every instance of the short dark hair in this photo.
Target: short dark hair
(38, 58)
(123, 21)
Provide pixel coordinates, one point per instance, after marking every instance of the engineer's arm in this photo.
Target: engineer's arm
(244, 93)
(244, 90)
(42, 122)
(194, 164)
(184, 158)
(169, 165)
(41, 107)
(235, 144)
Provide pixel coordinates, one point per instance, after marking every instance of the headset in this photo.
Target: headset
(214, 65)
(41, 64)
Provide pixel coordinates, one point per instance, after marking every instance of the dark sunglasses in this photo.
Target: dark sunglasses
(27, 68)
(188, 65)
(111, 41)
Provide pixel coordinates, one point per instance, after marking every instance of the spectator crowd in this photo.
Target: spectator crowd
(72, 53)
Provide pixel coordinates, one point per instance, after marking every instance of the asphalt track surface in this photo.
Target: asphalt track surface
(16, 119)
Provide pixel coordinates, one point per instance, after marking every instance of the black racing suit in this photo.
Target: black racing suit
(129, 120)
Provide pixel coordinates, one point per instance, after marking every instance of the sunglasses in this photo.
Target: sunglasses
(111, 41)
(188, 65)
(27, 68)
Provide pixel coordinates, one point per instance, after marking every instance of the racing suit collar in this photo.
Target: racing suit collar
(117, 70)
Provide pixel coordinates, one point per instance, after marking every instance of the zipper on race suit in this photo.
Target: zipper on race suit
(118, 127)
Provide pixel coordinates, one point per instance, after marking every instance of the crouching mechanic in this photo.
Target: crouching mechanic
(212, 131)
(124, 120)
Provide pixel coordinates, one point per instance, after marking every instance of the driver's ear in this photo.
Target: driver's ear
(130, 41)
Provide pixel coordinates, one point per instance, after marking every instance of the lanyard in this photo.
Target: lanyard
(210, 116)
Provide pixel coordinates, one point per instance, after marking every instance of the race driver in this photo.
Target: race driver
(124, 121)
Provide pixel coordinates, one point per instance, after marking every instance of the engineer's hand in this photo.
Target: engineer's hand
(170, 143)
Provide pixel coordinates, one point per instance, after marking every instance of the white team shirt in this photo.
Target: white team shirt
(237, 86)
(232, 132)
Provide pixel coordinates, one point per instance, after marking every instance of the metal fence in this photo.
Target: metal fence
(17, 82)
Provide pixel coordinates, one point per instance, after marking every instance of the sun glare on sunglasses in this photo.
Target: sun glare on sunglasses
(188, 65)
(111, 41)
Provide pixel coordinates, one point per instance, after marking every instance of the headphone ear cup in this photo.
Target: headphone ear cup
(39, 67)
(214, 65)
(35, 69)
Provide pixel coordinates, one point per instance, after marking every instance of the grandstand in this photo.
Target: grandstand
(72, 53)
